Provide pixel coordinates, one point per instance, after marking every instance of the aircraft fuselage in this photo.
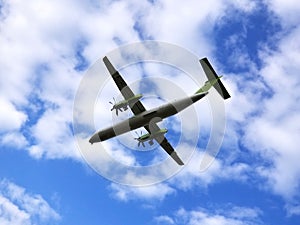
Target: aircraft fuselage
(145, 118)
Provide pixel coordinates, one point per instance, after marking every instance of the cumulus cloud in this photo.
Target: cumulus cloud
(44, 64)
(263, 114)
(53, 136)
(186, 179)
(274, 132)
(18, 207)
(10, 117)
(46, 48)
(267, 108)
(219, 170)
(149, 193)
(14, 139)
(164, 220)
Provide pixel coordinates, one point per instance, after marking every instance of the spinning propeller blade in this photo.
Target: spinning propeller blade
(114, 106)
(138, 139)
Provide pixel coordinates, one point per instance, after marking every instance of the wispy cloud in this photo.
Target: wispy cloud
(233, 215)
(148, 193)
(10, 118)
(164, 220)
(288, 11)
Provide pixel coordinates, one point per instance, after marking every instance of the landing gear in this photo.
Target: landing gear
(151, 142)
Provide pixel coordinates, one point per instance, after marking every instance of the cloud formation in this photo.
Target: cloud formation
(47, 49)
(18, 207)
(226, 215)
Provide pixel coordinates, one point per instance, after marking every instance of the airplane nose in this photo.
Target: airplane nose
(94, 138)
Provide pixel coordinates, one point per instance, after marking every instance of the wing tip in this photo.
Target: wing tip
(109, 66)
(176, 158)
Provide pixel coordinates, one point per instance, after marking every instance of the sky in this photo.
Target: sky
(48, 48)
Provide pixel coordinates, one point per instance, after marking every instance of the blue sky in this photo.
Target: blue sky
(46, 49)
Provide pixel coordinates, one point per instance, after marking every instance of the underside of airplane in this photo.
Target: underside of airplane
(149, 118)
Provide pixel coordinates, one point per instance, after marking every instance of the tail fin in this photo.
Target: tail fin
(213, 79)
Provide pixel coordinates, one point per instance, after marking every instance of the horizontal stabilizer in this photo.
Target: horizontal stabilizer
(212, 75)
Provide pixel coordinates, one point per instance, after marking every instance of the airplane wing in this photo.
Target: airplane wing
(127, 93)
(138, 108)
(164, 143)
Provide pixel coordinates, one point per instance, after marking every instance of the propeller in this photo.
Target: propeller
(138, 139)
(114, 107)
(114, 101)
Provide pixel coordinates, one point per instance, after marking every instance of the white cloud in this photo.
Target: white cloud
(53, 135)
(245, 97)
(117, 151)
(292, 209)
(40, 42)
(188, 178)
(287, 10)
(244, 5)
(18, 207)
(172, 24)
(271, 121)
(29, 41)
(10, 118)
(226, 215)
(10, 214)
(104, 30)
(164, 220)
(274, 132)
(149, 193)
(45, 33)
(44, 58)
(219, 170)
(14, 139)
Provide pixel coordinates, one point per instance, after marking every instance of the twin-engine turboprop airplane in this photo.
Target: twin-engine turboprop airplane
(149, 118)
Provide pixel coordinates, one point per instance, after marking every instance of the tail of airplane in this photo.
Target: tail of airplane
(213, 80)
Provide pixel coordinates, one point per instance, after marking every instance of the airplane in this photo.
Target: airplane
(149, 118)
